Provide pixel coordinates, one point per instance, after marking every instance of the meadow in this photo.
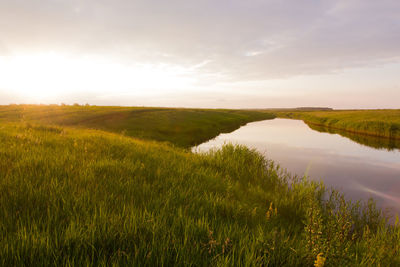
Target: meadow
(379, 123)
(73, 196)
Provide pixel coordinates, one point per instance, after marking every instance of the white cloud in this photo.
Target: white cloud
(220, 41)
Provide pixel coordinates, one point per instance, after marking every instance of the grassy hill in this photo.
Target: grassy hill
(182, 127)
(84, 197)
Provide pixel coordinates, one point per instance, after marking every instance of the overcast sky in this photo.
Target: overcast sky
(201, 53)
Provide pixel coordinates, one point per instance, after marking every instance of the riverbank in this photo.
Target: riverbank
(379, 123)
(77, 196)
(86, 197)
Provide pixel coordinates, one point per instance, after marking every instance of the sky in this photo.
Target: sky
(201, 53)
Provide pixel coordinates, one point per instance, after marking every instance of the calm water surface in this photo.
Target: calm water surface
(357, 170)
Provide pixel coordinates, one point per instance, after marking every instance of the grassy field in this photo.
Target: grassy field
(82, 197)
(87, 197)
(380, 123)
(181, 127)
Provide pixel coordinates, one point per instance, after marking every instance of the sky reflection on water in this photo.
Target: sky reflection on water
(357, 170)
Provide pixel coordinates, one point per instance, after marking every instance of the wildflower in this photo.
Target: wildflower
(212, 243)
(271, 212)
(320, 261)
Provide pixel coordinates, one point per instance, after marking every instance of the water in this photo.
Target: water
(357, 170)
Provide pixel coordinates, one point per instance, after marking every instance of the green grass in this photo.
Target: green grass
(364, 139)
(182, 127)
(380, 123)
(71, 196)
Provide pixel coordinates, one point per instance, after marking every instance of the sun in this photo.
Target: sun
(34, 76)
(44, 76)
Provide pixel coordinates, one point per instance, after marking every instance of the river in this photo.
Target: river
(358, 170)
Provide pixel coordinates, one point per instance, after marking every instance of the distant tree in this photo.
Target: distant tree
(76, 105)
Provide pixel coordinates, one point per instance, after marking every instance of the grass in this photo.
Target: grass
(364, 139)
(181, 127)
(84, 197)
(379, 123)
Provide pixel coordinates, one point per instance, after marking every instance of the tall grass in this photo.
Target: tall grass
(91, 198)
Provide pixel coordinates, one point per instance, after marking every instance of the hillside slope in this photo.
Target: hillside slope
(182, 127)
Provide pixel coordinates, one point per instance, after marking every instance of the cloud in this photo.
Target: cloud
(241, 40)
(3, 49)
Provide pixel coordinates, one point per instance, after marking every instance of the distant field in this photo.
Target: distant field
(381, 123)
(182, 127)
(78, 197)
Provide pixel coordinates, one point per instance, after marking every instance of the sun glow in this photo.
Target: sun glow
(46, 75)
